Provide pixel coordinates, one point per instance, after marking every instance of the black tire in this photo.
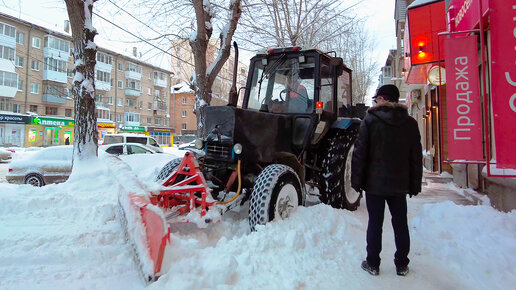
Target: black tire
(34, 180)
(335, 181)
(273, 195)
(167, 170)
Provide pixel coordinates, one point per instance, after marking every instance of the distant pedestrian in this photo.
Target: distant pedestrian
(387, 165)
(67, 141)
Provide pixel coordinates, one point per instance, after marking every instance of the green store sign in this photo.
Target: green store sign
(52, 122)
(133, 128)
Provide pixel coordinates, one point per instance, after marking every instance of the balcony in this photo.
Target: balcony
(54, 99)
(160, 106)
(133, 75)
(103, 86)
(160, 83)
(132, 92)
(50, 75)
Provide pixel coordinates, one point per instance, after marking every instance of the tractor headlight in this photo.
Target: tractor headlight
(237, 148)
(199, 143)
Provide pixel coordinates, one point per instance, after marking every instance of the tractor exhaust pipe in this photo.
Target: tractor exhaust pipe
(233, 94)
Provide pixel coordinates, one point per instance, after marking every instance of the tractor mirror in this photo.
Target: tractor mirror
(338, 65)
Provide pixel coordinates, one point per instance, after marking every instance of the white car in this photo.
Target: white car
(126, 149)
(49, 165)
(145, 140)
(5, 154)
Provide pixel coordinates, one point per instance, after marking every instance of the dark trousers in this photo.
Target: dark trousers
(398, 209)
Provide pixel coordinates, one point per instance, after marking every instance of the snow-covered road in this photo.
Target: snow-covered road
(68, 236)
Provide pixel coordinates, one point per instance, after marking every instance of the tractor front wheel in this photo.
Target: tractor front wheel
(277, 193)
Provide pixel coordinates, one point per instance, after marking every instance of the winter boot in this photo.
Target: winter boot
(402, 270)
(375, 271)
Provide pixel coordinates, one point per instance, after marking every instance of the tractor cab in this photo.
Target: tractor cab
(298, 81)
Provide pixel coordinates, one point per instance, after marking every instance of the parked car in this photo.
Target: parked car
(49, 165)
(126, 149)
(5, 154)
(148, 141)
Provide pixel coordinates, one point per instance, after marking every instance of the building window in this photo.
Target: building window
(120, 102)
(149, 120)
(165, 122)
(7, 53)
(133, 84)
(178, 73)
(120, 84)
(35, 65)
(157, 93)
(69, 72)
(19, 61)
(110, 100)
(16, 108)
(120, 67)
(149, 106)
(50, 111)
(20, 38)
(7, 30)
(104, 58)
(183, 114)
(149, 91)
(150, 76)
(157, 121)
(20, 85)
(36, 42)
(57, 44)
(34, 88)
(118, 117)
(33, 109)
(134, 67)
(132, 117)
(184, 101)
(183, 126)
(8, 79)
(103, 76)
(68, 112)
(55, 65)
(129, 102)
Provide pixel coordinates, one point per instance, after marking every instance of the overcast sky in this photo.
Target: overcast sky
(380, 24)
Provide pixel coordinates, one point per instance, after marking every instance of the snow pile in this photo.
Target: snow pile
(475, 242)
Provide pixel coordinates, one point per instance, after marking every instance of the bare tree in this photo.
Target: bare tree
(83, 87)
(357, 49)
(308, 23)
(205, 75)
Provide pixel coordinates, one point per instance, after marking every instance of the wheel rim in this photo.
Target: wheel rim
(351, 195)
(34, 181)
(287, 202)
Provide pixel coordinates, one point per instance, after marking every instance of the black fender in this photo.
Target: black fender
(289, 159)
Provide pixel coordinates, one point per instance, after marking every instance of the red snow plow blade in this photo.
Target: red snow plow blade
(150, 216)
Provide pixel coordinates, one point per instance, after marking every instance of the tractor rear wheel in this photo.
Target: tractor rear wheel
(276, 194)
(335, 181)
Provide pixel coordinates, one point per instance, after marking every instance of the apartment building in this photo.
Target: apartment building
(183, 68)
(36, 73)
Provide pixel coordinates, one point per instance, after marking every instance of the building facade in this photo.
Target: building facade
(36, 71)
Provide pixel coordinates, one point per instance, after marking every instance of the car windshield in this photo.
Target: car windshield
(285, 85)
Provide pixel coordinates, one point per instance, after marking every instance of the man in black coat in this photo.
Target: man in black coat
(387, 165)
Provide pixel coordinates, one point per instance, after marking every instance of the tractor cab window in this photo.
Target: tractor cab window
(326, 95)
(284, 84)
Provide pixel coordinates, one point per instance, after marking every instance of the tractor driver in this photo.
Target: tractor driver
(297, 96)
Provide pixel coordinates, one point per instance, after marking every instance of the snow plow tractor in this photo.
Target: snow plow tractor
(291, 136)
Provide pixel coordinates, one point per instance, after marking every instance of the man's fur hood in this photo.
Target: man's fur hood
(393, 114)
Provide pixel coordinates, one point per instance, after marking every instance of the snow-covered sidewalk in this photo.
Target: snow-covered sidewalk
(68, 236)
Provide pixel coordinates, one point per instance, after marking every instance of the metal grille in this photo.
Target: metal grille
(219, 150)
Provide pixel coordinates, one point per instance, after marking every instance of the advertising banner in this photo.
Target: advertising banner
(503, 80)
(463, 99)
(465, 14)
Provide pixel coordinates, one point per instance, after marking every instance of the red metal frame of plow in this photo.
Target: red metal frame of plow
(184, 195)
(183, 192)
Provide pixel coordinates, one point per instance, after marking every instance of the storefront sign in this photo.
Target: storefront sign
(52, 122)
(465, 14)
(156, 129)
(133, 128)
(14, 119)
(503, 80)
(105, 125)
(463, 99)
